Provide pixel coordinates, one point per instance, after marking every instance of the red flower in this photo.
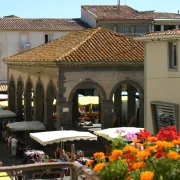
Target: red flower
(160, 153)
(143, 134)
(130, 157)
(171, 128)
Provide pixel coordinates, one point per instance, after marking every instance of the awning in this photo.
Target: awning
(45, 138)
(26, 126)
(85, 100)
(4, 176)
(6, 114)
(112, 133)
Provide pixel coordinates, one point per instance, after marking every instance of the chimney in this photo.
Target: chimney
(178, 11)
(118, 5)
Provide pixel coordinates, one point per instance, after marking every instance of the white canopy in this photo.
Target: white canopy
(111, 133)
(85, 100)
(26, 125)
(51, 137)
(6, 113)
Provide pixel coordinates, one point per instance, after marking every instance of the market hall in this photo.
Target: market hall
(89, 76)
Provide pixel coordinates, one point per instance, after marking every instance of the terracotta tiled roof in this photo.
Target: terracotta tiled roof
(96, 46)
(41, 24)
(163, 33)
(111, 12)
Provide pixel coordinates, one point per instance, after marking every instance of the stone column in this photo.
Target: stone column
(162, 27)
(106, 113)
(131, 101)
(118, 106)
(141, 112)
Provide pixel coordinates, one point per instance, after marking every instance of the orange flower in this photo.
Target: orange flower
(88, 163)
(98, 154)
(173, 155)
(164, 144)
(151, 148)
(152, 139)
(176, 142)
(143, 154)
(139, 144)
(147, 175)
(136, 141)
(116, 154)
(128, 178)
(130, 148)
(98, 167)
(138, 165)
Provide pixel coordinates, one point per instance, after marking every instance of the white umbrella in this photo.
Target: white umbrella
(50, 137)
(6, 114)
(26, 125)
(112, 133)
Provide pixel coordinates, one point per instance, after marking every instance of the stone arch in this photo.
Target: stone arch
(73, 97)
(39, 101)
(50, 107)
(133, 87)
(28, 97)
(12, 95)
(19, 99)
(86, 84)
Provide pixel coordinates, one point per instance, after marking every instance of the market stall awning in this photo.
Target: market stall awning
(45, 138)
(112, 133)
(6, 114)
(85, 100)
(4, 176)
(26, 126)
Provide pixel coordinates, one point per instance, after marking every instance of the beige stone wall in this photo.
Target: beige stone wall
(161, 84)
(44, 73)
(106, 78)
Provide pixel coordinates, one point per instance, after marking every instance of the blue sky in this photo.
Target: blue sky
(71, 8)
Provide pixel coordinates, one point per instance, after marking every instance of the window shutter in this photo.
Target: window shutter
(170, 51)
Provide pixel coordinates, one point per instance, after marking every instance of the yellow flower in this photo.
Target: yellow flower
(173, 155)
(143, 154)
(138, 165)
(98, 167)
(147, 175)
(130, 148)
(88, 163)
(98, 154)
(164, 144)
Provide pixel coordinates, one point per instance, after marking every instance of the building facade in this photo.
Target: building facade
(19, 34)
(128, 21)
(162, 60)
(95, 61)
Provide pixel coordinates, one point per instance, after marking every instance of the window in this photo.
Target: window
(169, 27)
(48, 38)
(172, 52)
(23, 38)
(141, 28)
(124, 29)
(157, 27)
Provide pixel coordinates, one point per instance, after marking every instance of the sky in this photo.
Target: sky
(71, 8)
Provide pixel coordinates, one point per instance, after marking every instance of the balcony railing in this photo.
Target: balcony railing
(75, 169)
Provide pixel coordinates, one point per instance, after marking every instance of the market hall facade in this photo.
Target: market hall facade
(46, 83)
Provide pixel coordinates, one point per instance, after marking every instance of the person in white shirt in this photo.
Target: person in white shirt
(14, 142)
(9, 144)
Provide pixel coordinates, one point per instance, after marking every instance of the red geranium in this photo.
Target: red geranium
(143, 134)
(160, 153)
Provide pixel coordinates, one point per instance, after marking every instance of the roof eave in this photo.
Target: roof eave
(158, 38)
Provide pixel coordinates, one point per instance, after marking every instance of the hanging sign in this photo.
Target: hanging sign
(65, 109)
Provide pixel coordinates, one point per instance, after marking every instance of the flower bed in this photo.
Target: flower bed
(146, 158)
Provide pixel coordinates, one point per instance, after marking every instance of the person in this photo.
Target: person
(68, 155)
(1, 163)
(9, 144)
(57, 153)
(63, 156)
(14, 142)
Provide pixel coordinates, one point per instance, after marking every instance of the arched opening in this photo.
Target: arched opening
(51, 107)
(128, 105)
(29, 101)
(20, 99)
(11, 96)
(39, 101)
(86, 100)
